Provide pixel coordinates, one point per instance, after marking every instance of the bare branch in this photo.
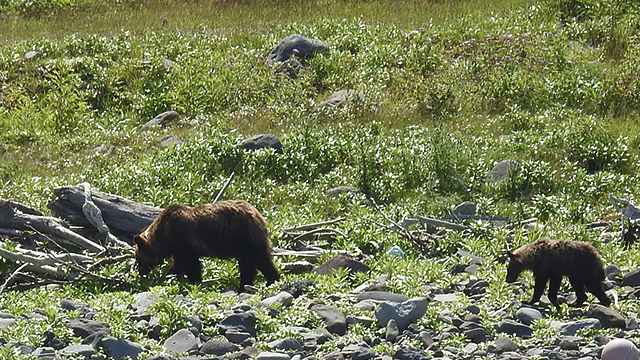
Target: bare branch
(313, 225)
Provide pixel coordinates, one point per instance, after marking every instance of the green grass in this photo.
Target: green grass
(448, 89)
(49, 19)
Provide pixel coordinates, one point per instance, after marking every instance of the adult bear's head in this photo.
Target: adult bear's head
(145, 256)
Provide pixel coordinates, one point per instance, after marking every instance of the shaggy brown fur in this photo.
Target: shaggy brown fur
(225, 230)
(551, 260)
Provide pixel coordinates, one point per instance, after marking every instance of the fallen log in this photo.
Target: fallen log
(12, 218)
(39, 258)
(122, 216)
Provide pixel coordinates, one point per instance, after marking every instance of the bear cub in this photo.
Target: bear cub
(231, 229)
(550, 260)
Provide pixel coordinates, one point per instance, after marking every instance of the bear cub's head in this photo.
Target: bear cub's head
(514, 268)
(145, 257)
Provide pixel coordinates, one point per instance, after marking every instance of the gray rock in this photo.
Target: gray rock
(571, 328)
(52, 341)
(406, 353)
(162, 119)
(341, 97)
(473, 269)
(170, 140)
(143, 301)
(262, 141)
(300, 46)
(355, 352)
(335, 355)
(473, 309)
(249, 352)
(286, 344)
(380, 296)
(242, 322)
(73, 351)
(44, 353)
(449, 317)
(377, 284)
(600, 340)
(71, 305)
(501, 170)
(121, 348)
(445, 297)
(608, 317)
(6, 320)
(470, 348)
(339, 190)
(611, 271)
(297, 267)
(466, 208)
(194, 321)
(403, 313)
(362, 320)
(569, 343)
(473, 331)
(514, 328)
(457, 268)
(426, 339)
(527, 315)
(334, 319)
(341, 261)
(283, 298)
(169, 64)
(365, 305)
(290, 67)
(473, 318)
(155, 328)
(535, 352)
(84, 328)
(237, 337)
(218, 347)
(504, 344)
(30, 55)
(392, 331)
(631, 278)
(181, 342)
(267, 355)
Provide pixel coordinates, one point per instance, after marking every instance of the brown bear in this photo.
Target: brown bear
(551, 260)
(225, 230)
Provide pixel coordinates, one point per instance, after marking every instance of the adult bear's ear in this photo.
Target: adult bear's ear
(139, 241)
(511, 255)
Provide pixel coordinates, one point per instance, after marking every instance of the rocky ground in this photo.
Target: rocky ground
(394, 315)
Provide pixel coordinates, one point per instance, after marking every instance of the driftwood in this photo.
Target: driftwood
(122, 216)
(57, 252)
(316, 231)
(11, 217)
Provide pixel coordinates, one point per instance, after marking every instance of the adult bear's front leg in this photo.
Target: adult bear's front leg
(541, 284)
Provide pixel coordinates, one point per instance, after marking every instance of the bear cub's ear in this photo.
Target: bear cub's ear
(513, 256)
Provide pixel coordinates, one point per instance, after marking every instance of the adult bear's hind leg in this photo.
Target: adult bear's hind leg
(189, 267)
(578, 287)
(596, 289)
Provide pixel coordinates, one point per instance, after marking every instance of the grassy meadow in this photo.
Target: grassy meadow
(447, 89)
